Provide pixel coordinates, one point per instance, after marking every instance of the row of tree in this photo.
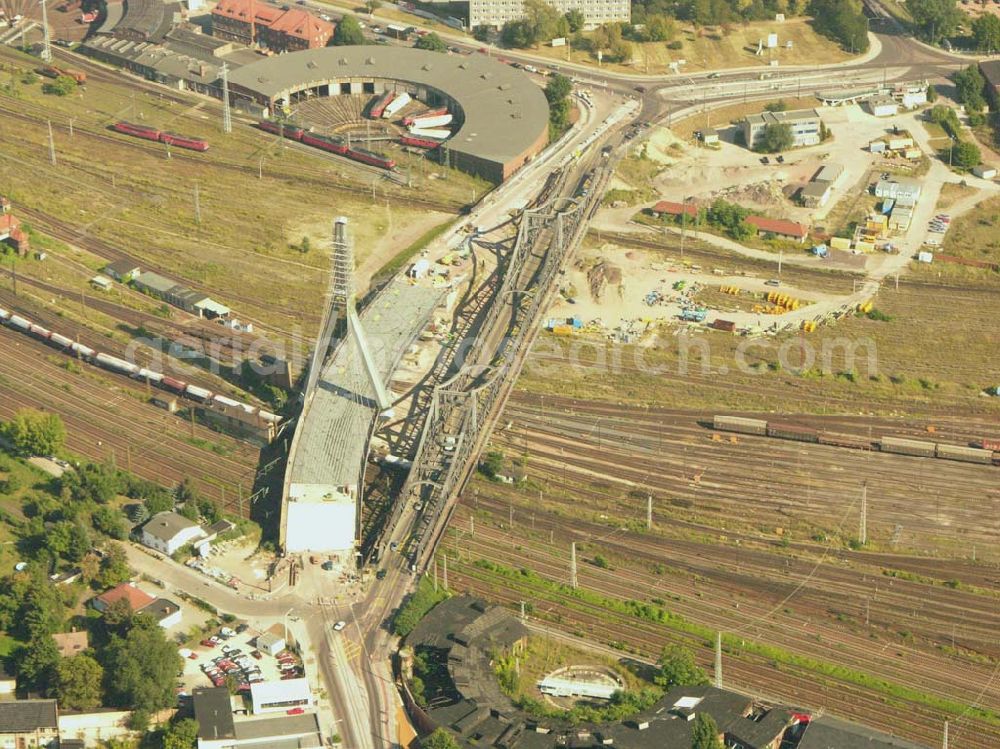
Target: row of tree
(843, 21)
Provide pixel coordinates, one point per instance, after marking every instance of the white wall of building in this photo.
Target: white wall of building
(322, 526)
(280, 696)
(169, 547)
(595, 12)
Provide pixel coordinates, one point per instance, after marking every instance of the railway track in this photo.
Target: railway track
(120, 427)
(620, 585)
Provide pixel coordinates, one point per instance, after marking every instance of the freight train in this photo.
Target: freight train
(409, 140)
(151, 133)
(243, 411)
(331, 144)
(378, 108)
(986, 451)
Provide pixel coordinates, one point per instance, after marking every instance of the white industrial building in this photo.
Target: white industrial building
(805, 125)
(270, 644)
(321, 517)
(905, 192)
(883, 106)
(220, 728)
(280, 696)
(168, 531)
(595, 12)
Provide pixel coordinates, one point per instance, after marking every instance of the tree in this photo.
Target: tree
(36, 664)
(558, 87)
(774, 138)
(78, 682)
(158, 503)
(986, 32)
(372, 5)
(69, 540)
(109, 521)
(481, 33)
(431, 42)
(544, 19)
(141, 667)
(348, 32)
(931, 94)
(776, 106)
(518, 33)
(34, 432)
(440, 739)
(114, 568)
(969, 86)
(934, 19)
(705, 732)
(210, 509)
(61, 86)
(965, 155)
(95, 482)
(677, 668)
(181, 735)
(576, 20)
(659, 28)
(841, 20)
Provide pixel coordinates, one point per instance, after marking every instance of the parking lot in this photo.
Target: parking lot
(233, 653)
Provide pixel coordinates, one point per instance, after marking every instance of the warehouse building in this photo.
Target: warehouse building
(219, 727)
(502, 116)
(280, 696)
(179, 295)
(495, 13)
(805, 125)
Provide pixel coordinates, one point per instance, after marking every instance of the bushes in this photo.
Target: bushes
(33, 432)
(424, 598)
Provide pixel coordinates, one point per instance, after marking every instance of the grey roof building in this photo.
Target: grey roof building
(502, 115)
(23, 717)
(804, 124)
(463, 635)
(213, 709)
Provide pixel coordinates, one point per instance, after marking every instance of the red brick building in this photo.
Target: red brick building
(10, 229)
(252, 21)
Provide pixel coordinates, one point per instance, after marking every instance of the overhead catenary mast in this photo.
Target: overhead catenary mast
(46, 40)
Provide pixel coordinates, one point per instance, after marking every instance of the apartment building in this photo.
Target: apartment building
(595, 12)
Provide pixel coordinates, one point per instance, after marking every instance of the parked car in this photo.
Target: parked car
(242, 628)
(380, 575)
(256, 654)
(339, 626)
(208, 643)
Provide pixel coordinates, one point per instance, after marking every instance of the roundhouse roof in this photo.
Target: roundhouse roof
(505, 112)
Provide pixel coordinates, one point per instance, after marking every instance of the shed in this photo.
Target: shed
(270, 644)
(122, 270)
(102, 283)
(883, 106)
(710, 137)
(166, 612)
(816, 194)
(419, 269)
(877, 146)
(984, 172)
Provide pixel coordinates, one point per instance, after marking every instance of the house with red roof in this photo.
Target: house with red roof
(669, 208)
(778, 227)
(136, 598)
(10, 229)
(255, 22)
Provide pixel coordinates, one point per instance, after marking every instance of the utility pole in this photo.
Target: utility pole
(863, 529)
(227, 117)
(718, 660)
(649, 512)
(435, 575)
(572, 565)
(944, 742)
(197, 206)
(522, 612)
(70, 127)
(52, 145)
(472, 525)
(445, 580)
(239, 495)
(46, 42)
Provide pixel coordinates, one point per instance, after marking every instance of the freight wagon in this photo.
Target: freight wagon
(84, 352)
(902, 446)
(19, 322)
(60, 340)
(964, 454)
(986, 443)
(115, 364)
(436, 133)
(792, 432)
(39, 332)
(435, 121)
(423, 115)
(395, 105)
(740, 424)
(844, 440)
(4, 314)
(199, 394)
